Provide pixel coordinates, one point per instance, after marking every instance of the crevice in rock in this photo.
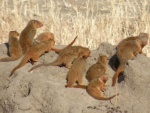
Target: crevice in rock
(29, 89)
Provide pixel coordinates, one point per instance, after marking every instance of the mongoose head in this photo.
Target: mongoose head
(35, 24)
(144, 38)
(49, 35)
(13, 34)
(138, 41)
(45, 36)
(102, 59)
(84, 52)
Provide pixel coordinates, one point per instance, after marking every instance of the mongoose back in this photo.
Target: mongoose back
(143, 37)
(27, 34)
(34, 52)
(98, 69)
(67, 56)
(96, 88)
(15, 49)
(44, 37)
(126, 51)
(76, 72)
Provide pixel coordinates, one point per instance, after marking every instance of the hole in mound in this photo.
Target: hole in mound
(114, 62)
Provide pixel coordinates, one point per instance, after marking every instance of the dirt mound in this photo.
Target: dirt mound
(43, 90)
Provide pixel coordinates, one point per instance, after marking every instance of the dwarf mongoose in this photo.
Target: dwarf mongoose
(143, 37)
(44, 37)
(126, 51)
(27, 34)
(76, 72)
(66, 56)
(104, 78)
(15, 49)
(98, 69)
(34, 52)
(96, 88)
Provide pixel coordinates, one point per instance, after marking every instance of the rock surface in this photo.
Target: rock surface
(43, 91)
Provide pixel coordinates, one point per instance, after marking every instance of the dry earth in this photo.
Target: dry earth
(43, 91)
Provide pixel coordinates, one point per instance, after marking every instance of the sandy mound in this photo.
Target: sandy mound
(43, 91)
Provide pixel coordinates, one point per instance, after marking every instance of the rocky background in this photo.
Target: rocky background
(43, 90)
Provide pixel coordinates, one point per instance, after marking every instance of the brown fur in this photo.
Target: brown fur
(143, 37)
(76, 72)
(66, 56)
(98, 69)
(34, 52)
(44, 37)
(125, 51)
(27, 35)
(15, 49)
(104, 78)
(96, 88)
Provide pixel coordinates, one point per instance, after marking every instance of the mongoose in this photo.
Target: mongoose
(27, 34)
(76, 72)
(98, 69)
(126, 51)
(15, 49)
(104, 78)
(34, 52)
(144, 39)
(96, 88)
(44, 36)
(66, 56)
